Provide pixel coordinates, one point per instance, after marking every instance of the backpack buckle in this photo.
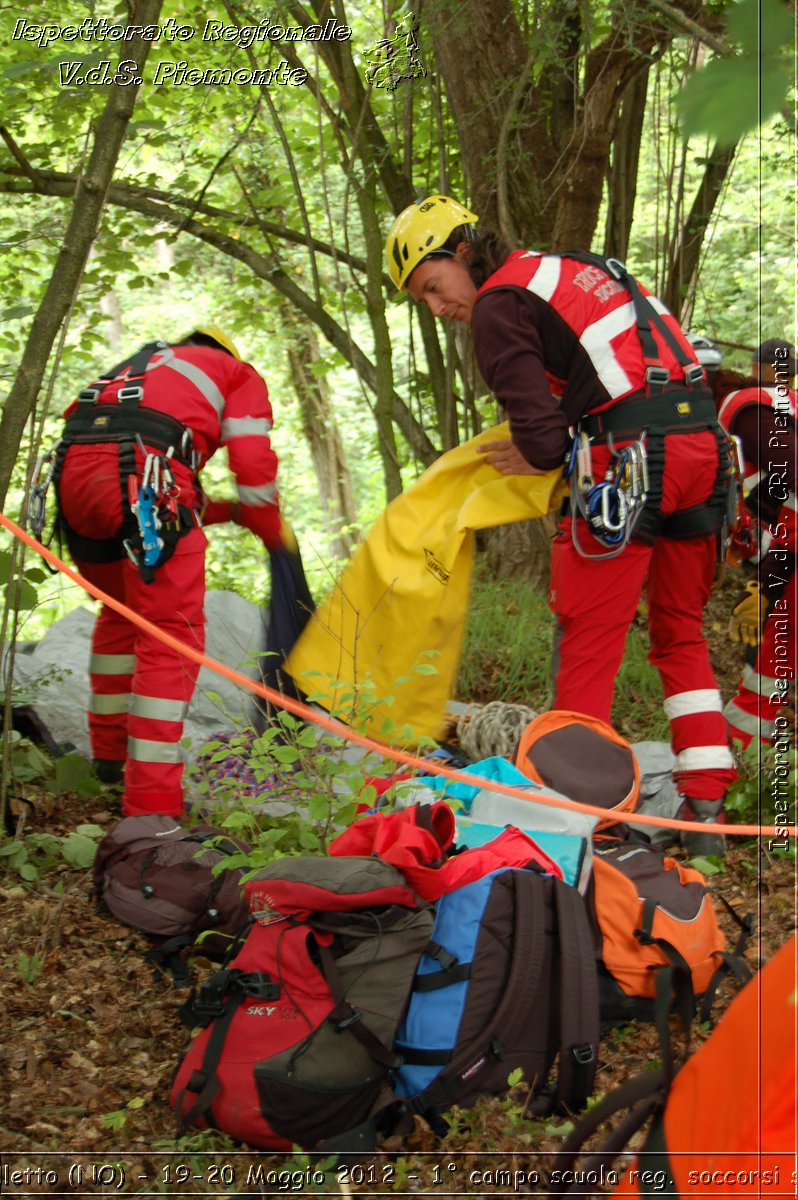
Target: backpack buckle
(89, 395)
(260, 986)
(584, 1054)
(353, 1018)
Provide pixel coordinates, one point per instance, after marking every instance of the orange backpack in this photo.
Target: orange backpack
(724, 1124)
(648, 911)
(583, 758)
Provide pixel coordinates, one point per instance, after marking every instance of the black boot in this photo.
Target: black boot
(696, 843)
(110, 771)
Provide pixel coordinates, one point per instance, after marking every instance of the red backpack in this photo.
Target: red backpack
(299, 1027)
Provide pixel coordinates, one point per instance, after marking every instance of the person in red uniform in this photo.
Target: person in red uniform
(558, 340)
(763, 416)
(163, 413)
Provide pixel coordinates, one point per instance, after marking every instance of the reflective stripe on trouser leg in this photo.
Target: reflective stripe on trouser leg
(111, 665)
(757, 709)
(678, 588)
(164, 680)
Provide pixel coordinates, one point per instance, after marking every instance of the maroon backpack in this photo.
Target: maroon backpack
(156, 876)
(299, 1028)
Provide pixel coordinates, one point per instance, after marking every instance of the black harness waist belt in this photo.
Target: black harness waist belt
(96, 423)
(675, 411)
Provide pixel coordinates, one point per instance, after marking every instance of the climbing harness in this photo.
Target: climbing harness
(153, 520)
(628, 501)
(43, 474)
(612, 507)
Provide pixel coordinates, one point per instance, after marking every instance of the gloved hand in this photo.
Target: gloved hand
(217, 512)
(748, 616)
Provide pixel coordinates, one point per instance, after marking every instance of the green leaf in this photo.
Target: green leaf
(17, 311)
(79, 851)
(285, 754)
(425, 669)
(70, 772)
(710, 865)
(28, 871)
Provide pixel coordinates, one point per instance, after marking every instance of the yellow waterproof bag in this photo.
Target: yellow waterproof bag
(401, 603)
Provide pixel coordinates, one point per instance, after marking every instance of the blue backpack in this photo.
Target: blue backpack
(508, 980)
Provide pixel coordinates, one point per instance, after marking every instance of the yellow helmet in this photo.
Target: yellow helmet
(420, 230)
(226, 343)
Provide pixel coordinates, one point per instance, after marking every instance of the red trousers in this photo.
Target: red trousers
(140, 688)
(595, 602)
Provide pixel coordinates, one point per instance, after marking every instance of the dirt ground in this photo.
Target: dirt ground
(89, 1042)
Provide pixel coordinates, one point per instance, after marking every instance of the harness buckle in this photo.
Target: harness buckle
(89, 395)
(616, 268)
(694, 376)
(132, 393)
(657, 377)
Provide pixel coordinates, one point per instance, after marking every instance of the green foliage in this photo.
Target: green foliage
(19, 587)
(767, 786)
(507, 656)
(29, 967)
(34, 855)
(310, 791)
(117, 1120)
(730, 96)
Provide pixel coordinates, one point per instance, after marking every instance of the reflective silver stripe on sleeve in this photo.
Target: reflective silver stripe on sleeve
(257, 497)
(761, 684)
(202, 382)
(112, 664)
(233, 427)
(106, 706)
(143, 750)
(747, 722)
(155, 708)
(685, 704)
(704, 758)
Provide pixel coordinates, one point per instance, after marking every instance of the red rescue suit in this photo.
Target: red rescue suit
(765, 420)
(140, 688)
(557, 339)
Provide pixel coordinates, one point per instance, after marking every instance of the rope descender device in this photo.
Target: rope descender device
(612, 507)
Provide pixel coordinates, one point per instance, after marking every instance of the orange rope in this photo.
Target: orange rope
(427, 767)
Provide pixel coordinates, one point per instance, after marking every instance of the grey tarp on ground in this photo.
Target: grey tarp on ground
(234, 634)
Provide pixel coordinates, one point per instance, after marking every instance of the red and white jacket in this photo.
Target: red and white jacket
(224, 402)
(769, 469)
(546, 325)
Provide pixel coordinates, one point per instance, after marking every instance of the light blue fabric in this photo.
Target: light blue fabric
(568, 852)
(497, 769)
(433, 1018)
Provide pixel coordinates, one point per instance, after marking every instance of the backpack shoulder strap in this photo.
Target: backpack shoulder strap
(579, 1003)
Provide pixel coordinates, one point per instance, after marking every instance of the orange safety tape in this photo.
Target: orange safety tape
(427, 766)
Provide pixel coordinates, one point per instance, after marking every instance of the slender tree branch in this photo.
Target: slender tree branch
(26, 166)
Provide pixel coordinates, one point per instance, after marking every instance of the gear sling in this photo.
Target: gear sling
(153, 521)
(667, 407)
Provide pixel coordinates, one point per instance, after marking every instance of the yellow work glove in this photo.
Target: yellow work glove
(748, 616)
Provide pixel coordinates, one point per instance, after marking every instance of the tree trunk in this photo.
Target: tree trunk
(685, 249)
(622, 183)
(323, 437)
(87, 207)
(521, 551)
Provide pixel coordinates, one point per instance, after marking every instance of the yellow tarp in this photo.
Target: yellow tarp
(405, 593)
